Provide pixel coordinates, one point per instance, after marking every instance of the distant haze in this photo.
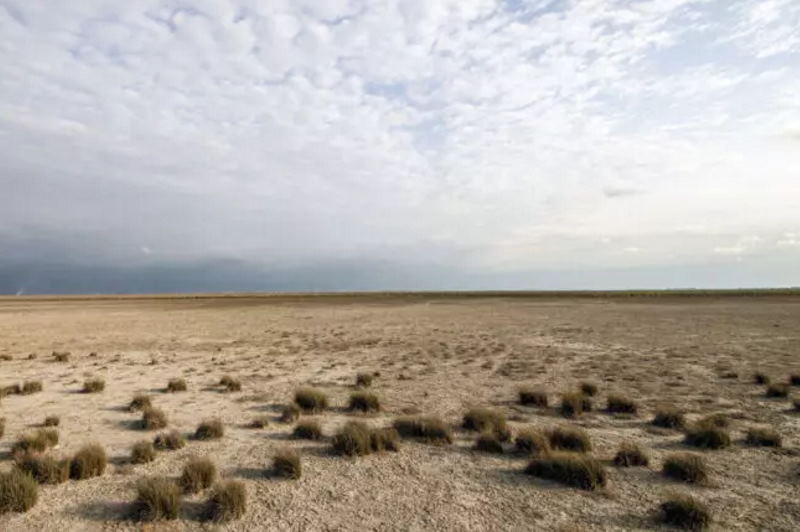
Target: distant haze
(235, 145)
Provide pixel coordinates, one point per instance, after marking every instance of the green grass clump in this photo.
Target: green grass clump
(43, 469)
(533, 397)
(311, 400)
(706, 436)
(484, 420)
(156, 499)
(669, 418)
(531, 442)
(489, 443)
(428, 428)
(142, 452)
(90, 461)
(210, 429)
(197, 475)
(176, 385)
(227, 501)
(139, 402)
(575, 404)
(364, 380)
(308, 429)
(286, 464)
(365, 402)
(621, 405)
(569, 439)
(573, 469)
(631, 455)
(169, 441)
(18, 492)
(29, 387)
(153, 418)
(777, 391)
(763, 437)
(685, 512)
(589, 389)
(94, 385)
(685, 467)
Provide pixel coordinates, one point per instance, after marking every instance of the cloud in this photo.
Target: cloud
(478, 134)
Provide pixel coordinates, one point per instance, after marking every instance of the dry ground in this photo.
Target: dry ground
(435, 356)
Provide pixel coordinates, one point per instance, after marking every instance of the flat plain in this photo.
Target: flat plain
(436, 355)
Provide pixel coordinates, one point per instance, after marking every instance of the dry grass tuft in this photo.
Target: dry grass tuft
(62, 356)
(259, 422)
(140, 401)
(153, 418)
(18, 492)
(37, 442)
(169, 441)
(2, 426)
(354, 439)
(429, 428)
(575, 404)
(290, 413)
(90, 461)
(198, 474)
(573, 469)
(533, 397)
(631, 455)
(308, 429)
(669, 418)
(365, 402)
(228, 501)
(364, 380)
(157, 498)
(142, 452)
(233, 385)
(763, 437)
(43, 469)
(52, 421)
(532, 442)
(286, 464)
(621, 405)
(589, 389)
(484, 420)
(686, 467)
(176, 385)
(384, 439)
(683, 511)
(210, 429)
(761, 378)
(94, 385)
(569, 439)
(30, 387)
(777, 390)
(489, 443)
(311, 400)
(707, 436)
(794, 379)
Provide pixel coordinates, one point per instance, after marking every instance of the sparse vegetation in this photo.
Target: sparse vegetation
(30, 387)
(573, 469)
(484, 420)
(290, 413)
(228, 501)
(311, 400)
(384, 439)
(365, 402)
(176, 385)
(685, 512)
(761, 378)
(198, 474)
(669, 418)
(171, 441)
(589, 389)
(488, 443)
(210, 429)
(18, 492)
(308, 429)
(286, 464)
(38, 441)
(429, 428)
(777, 390)
(94, 385)
(570, 439)
(259, 422)
(794, 379)
(631, 455)
(763, 437)
(575, 404)
(364, 380)
(533, 397)
(139, 402)
(531, 442)
(621, 405)
(233, 385)
(90, 461)
(707, 436)
(157, 498)
(353, 439)
(143, 452)
(62, 356)
(718, 420)
(11, 389)
(686, 467)
(153, 418)
(51, 421)
(44, 469)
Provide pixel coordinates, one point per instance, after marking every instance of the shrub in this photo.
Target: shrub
(6, 357)
(763, 437)
(90, 461)
(176, 385)
(157, 498)
(354, 439)
(198, 474)
(38, 441)
(570, 439)
(43, 469)
(51, 421)
(210, 429)
(171, 441)
(574, 404)
(29, 387)
(589, 389)
(761, 378)
(142, 452)
(429, 428)
(365, 402)
(777, 390)
(573, 469)
(718, 420)
(228, 501)
(623, 405)
(669, 418)
(631, 455)
(364, 380)
(794, 379)
(290, 413)
(484, 420)
(94, 385)
(309, 429)
(226, 380)
(18, 492)
(529, 396)
(259, 422)
(11, 389)
(707, 437)
(489, 443)
(685, 467)
(531, 442)
(286, 464)
(140, 401)
(685, 512)
(311, 400)
(153, 418)
(384, 439)
(233, 385)
(61, 356)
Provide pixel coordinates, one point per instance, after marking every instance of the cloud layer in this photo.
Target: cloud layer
(491, 140)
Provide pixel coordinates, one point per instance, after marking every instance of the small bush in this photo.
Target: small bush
(707, 437)
(226, 380)
(364, 380)
(311, 400)
(685, 512)
(290, 413)
(29, 387)
(570, 439)
(575, 404)
(38, 442)
(52, 421)
(198, 474)
(18, 492)
(228, 501)
(354, 439)
(43, 469)
(259, 422)
(761, 378)
(573, 469)
(169, 441)
(143, 452)
(309, 429)
(685, 467)
(669, 418)
(6, 357)
(622, 405)
(140, 401)
(94, 385)
(365, 402)
(90, 461)
(484, 420)
(718, 420)
(384, 439)
(156, 499)
(286, 464)
(11, 389)
(176, 385)
(631, 455)
(589, 389)
(531, 397)
(429, 428)
(777, 390)
(153, 418)
(794, 379)
(61, 356)
(210, 429)
(233, 385)
(531, 442)
(489, 443)
(762, 437)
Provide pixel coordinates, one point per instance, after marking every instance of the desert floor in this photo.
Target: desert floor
(435, 355)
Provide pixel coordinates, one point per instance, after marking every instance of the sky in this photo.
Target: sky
(235, 145)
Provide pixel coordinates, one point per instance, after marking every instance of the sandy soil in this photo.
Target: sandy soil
(437, 356)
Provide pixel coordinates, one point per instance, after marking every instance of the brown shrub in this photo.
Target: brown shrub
(686, 467)
(531, 442)
(143, 452)
(30, 387)
(489, 443)
(777, 390)
(198, 474)
(18, 492)
(290, 413)
(62, 356)
(311, 400)
(718, 420)
(365, 402)
(761, 378)
(669, 418)
(171, 441)
(140, 401)
(763, 437)
(94, 385)
(308, 429)
(484, 420)
(153, 418)
(622, 405)
(533, 397)
(43, 469)
(384, 439)
(354, 439)
(259, 422)
(176, 385)
(233, 385)
(707, 437)
(794, 379)
(631, 455)
(228, 501)
(156, 499)
(90, 461)
(429, 428)
(685, 512)
(570, 439)
(11, 389)
(589, 389)
(286, 464)
(210, 429)
(52, 421)
(38, 441)
(573, 469)
(575, 404)
(364, 380)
